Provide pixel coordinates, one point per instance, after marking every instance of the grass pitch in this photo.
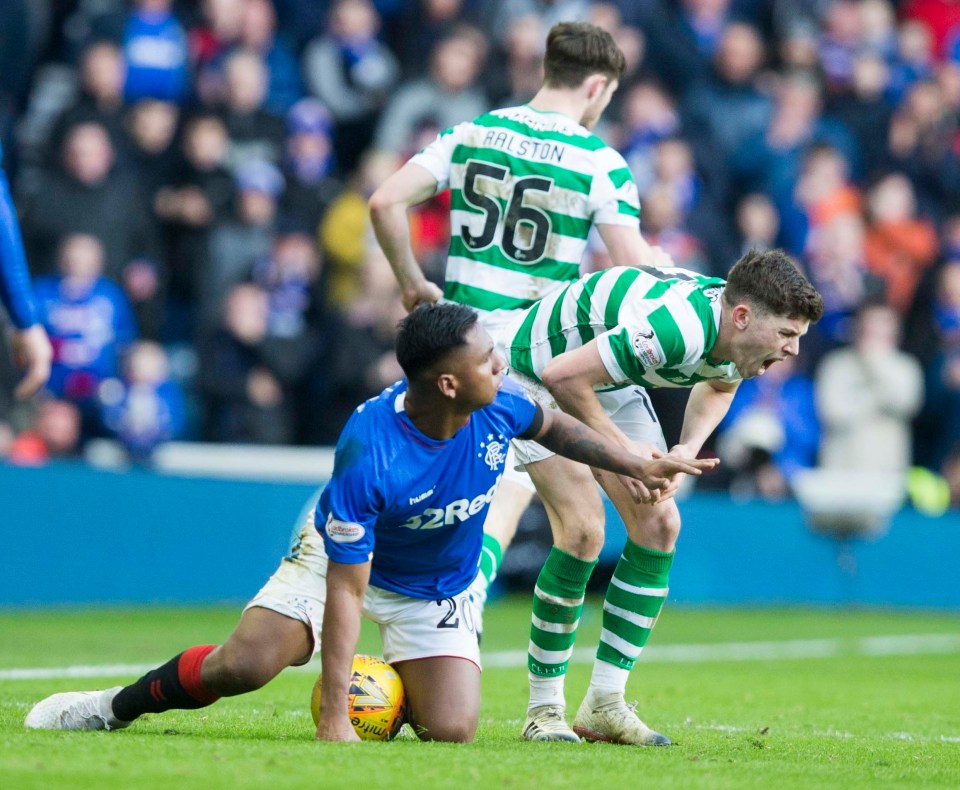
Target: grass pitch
(752, 699)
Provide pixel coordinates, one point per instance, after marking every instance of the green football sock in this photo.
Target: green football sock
(632, 604)
(490, 558)
(557, 603)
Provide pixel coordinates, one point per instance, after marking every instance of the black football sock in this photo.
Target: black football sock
(174, 686)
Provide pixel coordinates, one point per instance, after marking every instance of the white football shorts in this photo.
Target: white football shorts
(410, 628)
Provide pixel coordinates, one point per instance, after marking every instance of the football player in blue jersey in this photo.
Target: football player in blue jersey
(31, 348)
(396, 537)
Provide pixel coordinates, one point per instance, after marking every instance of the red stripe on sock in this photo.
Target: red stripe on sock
(188, 670)
(156, 691)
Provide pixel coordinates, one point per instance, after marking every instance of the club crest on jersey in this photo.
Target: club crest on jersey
(496, 451)
(645, 350)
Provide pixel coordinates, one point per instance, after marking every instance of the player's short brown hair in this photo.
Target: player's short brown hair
(772, 282)
(575, 50)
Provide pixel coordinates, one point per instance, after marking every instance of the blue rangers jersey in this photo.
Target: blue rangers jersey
(416, 505)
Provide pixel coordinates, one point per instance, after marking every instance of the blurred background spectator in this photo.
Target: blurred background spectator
(208, 165)
(867, 395)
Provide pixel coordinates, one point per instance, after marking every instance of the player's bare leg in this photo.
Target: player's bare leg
(630, 610)
(443, 695)
(576, 516)
(263, 643)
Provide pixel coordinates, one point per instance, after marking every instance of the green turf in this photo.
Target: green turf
(845, 721)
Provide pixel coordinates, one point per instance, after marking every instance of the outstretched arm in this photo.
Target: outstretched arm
(707, 405)
(410, 185)
(346, 585)
(570, 438)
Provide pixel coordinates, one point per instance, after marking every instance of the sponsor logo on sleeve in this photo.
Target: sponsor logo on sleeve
(645, 350)
(343, 531)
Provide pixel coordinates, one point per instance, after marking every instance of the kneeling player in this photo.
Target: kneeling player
(396, 536)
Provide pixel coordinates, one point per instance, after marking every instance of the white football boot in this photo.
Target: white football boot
(608, 718)
(548, 723)
(76, 710)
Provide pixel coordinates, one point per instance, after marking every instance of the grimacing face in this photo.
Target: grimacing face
(764, 339)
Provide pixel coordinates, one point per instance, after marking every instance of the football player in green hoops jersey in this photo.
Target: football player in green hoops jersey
(527, 184)
(591, 349)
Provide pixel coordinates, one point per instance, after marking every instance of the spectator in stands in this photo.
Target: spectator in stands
(841, 38)
(362, 360)
(237, 243)
(244, 376)
(447, 96)
(684, 39)
(258, 33)
(155, 49)
(144, 408)
(771, 160)
(209, 43)
(836, 262)
(867, 395)
(53, 434)
(758, 223)
(254, 133)
(345, 231)
(308, 163)
(424, 23)
(865, 110)
(152, 125)
(727, 106)
(913, 60)
(516, 77)
(352, 73)
(102, 74)
(198, 194)
(88, 195)
(649, 116)
(770, 432)
(290, 277)
(499, 18)
(823, 191)
(899, 245)
(921, 145)
(662, 222)
(89, 321)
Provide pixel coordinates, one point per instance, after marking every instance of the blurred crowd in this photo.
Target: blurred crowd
(191, 180)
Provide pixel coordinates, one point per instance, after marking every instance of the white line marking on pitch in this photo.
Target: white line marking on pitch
(896, 736)
(901, 645)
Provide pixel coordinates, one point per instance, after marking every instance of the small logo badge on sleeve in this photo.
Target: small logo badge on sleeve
(343, 531)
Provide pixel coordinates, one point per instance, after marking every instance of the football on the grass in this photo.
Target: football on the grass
(376, 700)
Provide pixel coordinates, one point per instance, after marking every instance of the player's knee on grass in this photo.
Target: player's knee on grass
(443, 695)
(458, 725)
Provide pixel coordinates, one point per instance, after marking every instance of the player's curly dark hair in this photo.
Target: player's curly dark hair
(430, 332)
(772, 282)
(575, 50)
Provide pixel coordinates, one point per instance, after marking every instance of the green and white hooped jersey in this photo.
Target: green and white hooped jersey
(525, 189)
(653, 327)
